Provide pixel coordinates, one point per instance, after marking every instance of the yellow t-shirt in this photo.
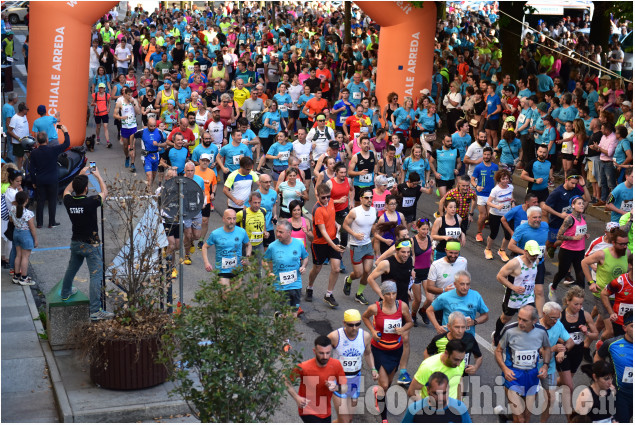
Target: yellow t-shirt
(240, 96)
(254, 224)
(434, 364)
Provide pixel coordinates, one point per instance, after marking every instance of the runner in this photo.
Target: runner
(126, 110)
(192, 227)
(390, 323)
(385, 234)
(466, 201)
(359, 223)
(362, 169)
(483, 180)
(209, 179)
(268, 200)
(521, 343)
(519, 278)
(438, 407)
(619, 351)
(622, 288)
(596, 402)
(238, 184)
(518, 214)
(343, 194)
(229, 242)
(573, 234)
(152, 139)
(446, 228)
(314, 401)
(390, 167)
(253, 220)
(325, 245)
(230, 156)
(445, 165)
(286, 259)
(500, 201)
(351, 343)
(411, 192)
(398, 268)
(457, 324)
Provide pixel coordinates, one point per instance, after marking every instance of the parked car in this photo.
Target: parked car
(17, 12)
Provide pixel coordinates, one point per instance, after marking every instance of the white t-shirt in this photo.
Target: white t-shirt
(94, 59)
(502, 197)
(442, 273)
(303, 152)
(20, 126)
(616, 54)
(122, 56)
(474, 152)
(295, 92)
(127, 111)
(216, 130)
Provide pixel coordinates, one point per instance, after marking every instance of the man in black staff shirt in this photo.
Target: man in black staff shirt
(457, 325)
(44, 174)
(85, 243)
(410, 192)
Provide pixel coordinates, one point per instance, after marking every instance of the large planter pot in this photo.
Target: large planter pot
(128, 365)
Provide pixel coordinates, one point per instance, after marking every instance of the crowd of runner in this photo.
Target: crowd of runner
(280, 114)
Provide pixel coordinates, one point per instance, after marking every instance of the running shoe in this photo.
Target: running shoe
(551, 251)
(73, 292)
(347, 285)
(309, 295)
(200, 244)
(108, 144)
(286, 346)
(342, 268)
(493, 342)
(127, 163)
(424, 317)
(488, 254)
(568, 280)
(187, 261)
(299, 312)
(360, 298)
(330, 300)
(16, 279)
(192, 249)
(586, 355)
(26, 281)
(503, 255)
(479, 237)
(174, 273)
(101, 315)
(404, 378)
(552, 293)
(133, 169)
(414, 321)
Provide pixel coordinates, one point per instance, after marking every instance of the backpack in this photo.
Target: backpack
(257, 124)
(244, 220)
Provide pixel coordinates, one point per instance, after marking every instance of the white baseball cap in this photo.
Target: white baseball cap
(206, 156)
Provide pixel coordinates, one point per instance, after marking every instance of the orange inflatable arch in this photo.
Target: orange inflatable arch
(59, 54)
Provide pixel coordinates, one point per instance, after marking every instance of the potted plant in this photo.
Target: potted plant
(226, 350)
(123, 352)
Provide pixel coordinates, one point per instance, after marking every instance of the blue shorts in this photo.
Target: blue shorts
(526, 382)
(151, 162)
(553, 235)
(354, 383)
(127, 132)
(23, 239)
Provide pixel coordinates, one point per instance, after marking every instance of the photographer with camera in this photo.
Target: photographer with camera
(43, 164)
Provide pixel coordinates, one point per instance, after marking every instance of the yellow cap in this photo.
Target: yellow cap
(352, 315)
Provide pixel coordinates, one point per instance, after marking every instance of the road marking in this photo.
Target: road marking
(483, 342)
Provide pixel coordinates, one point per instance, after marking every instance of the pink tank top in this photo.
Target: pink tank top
(356, 147)
(578, 228)
(299, 234)
(379, 201)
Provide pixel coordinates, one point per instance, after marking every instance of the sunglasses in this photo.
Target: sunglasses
(367, 197)
(354, 325)
(325, 197)
(575, 176)
(321, 120)
(424, 220)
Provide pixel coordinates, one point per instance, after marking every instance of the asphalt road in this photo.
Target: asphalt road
(50, 259)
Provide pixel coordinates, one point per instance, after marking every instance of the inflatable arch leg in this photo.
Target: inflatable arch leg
(406, 47)
(59, 55)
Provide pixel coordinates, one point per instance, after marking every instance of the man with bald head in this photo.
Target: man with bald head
(183, 128)
(229, 241)
(152, 139)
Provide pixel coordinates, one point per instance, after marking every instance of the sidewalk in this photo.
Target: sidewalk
(27, 395)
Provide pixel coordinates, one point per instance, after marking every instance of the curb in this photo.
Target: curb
(64, 411)
(595, 212)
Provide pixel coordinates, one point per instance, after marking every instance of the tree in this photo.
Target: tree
(601, 21)
(227, 348)
(347, 23)
(510, 33)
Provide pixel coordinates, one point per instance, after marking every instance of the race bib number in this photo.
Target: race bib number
(351, 363)
(366, 178)
(357, 95)
(624, 308)
(578, 337)
(342, 120)
(466, 359)
(253, 114)
(380, 205)
(288, 277)
(525, 358)
(187, 39)
(151, 115)
(506, 207)
(543, 248)
(129, 83)
(229, 263)
(282, 108)
(304, 159)
(580, 230)
(203, 67)
(627, 377)
(165, 71)
(363, 129)
(521, 119)
(408, 202)
(9, 59)
(236, 159)
(391, 182)
(627, 206)
(453, 232)
(391, 325)
(283, 156)
(256, 237)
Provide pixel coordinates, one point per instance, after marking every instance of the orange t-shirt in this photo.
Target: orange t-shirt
(316, 106)
(324, 215)
(313, 385)
(209, 178)
(325, 86)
